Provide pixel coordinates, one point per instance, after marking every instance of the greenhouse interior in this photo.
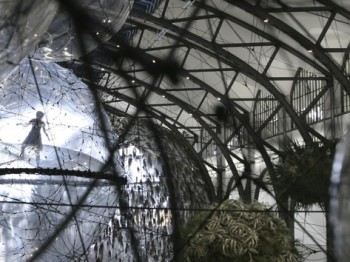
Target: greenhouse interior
(175, 130)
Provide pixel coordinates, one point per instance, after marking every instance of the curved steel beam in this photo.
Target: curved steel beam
(274, 41)
(198, 117)
(226, 101)
(317, 50)
(161, 117)
(335, 7)
(229, 104)
(228, 58)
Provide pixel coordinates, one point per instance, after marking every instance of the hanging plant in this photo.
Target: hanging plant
(304, 173)
(238, 232)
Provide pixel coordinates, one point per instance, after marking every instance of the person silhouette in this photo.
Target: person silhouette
(33, 139)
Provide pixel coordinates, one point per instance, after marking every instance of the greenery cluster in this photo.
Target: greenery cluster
(239, 232)
(304, 173)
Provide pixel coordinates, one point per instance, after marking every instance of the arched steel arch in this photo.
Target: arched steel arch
(161, 118)
(317, 50)
(274, 41)
(198, 116)
(217, 52)
(228, 58)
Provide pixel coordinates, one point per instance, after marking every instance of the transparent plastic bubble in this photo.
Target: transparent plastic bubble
(34, 205)
(62, 41)
(22, 24)
(340, 199)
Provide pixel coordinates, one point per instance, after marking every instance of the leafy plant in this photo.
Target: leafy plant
(304, 173)
(239, 232)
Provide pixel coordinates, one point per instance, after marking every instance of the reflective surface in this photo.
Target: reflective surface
(62, 40)
(22, 24)
(34, 205)
(340, 196)
(69, 116)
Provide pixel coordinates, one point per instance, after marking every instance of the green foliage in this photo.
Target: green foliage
(238, 232)
(304, 173)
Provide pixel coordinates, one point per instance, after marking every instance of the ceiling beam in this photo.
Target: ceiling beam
(305, 42)
(227, 58)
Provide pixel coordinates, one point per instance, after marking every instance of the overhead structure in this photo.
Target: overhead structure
(238, 79)
(240, 67)
(232, 81)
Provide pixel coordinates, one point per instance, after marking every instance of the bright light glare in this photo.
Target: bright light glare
(69, 117)
(74, 142)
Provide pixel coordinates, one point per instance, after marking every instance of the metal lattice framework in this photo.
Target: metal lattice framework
(228, 83)
(226, 53)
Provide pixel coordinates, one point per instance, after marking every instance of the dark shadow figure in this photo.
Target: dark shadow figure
(33, 139)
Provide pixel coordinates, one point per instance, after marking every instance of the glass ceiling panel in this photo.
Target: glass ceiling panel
(257, 57)
(200, 60)
(309, 24)
(203, 28)
(192, 98)
(232, 33)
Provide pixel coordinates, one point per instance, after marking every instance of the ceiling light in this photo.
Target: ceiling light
(153, 61)
(266, 20)
(310, 50)
(132, 81)
(219, 98)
